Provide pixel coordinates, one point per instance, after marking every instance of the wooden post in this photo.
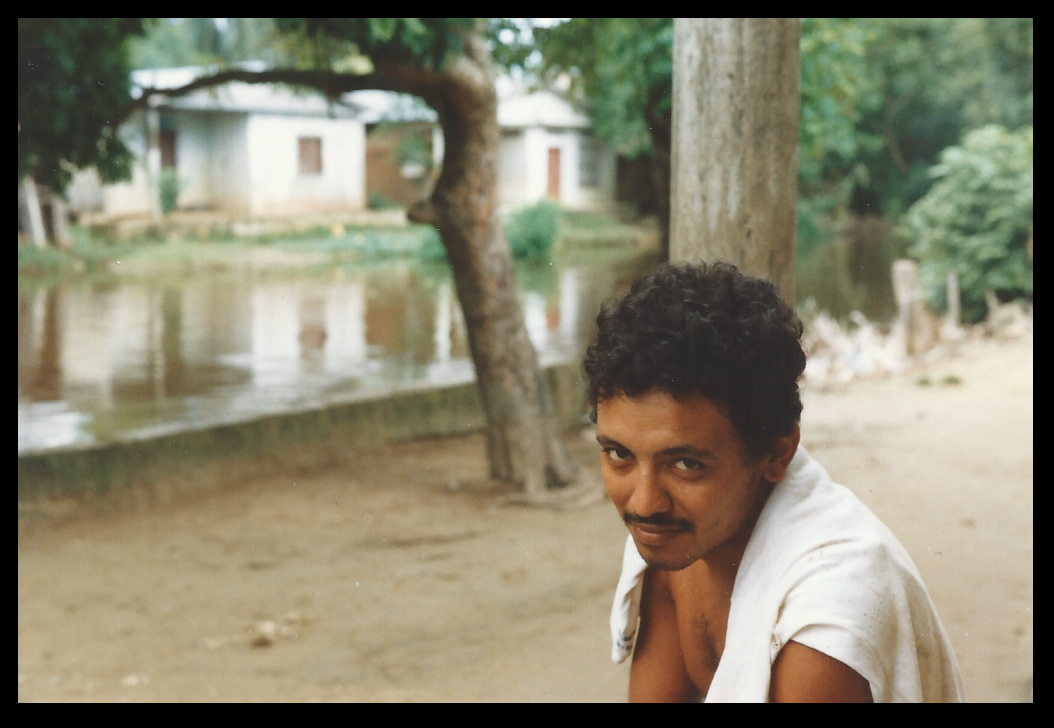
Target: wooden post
(734, 169)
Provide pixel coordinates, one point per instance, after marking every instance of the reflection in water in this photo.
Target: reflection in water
(99, 363)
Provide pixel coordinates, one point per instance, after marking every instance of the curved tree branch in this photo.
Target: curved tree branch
(401, 79)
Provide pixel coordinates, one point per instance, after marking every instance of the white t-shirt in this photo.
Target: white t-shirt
(822, 570)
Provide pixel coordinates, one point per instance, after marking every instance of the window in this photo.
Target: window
(310, 149)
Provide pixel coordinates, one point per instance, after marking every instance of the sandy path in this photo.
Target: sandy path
(383, 584)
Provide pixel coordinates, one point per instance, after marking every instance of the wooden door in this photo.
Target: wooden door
(554, 173)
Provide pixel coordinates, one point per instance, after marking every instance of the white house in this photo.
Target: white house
(261, 150)
(548, 150)
(252, 149)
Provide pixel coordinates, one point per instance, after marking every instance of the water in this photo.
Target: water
(112, 362)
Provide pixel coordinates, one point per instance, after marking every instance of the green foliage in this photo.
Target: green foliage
(173, 42)
(168, 189)
(836, 90)
(414, 148)
(882, 97)
(377, 200)
(531, 232)
(937, 78)
(72, 79)
(427, 42)
(432, 248)
(623, 69)
(977, 218)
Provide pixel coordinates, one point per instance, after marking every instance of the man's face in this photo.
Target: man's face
(679, 475)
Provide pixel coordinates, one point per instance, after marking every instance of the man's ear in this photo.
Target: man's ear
(775, 465)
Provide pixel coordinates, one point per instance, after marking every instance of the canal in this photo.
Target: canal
(130, 359)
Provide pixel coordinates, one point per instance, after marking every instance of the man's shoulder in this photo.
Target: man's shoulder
(808, 495)
(811, 522)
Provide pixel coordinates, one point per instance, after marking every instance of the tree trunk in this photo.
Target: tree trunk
(523, 437)
(734, 171)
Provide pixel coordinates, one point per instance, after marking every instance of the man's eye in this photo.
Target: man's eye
(617, 454)
(686, 464)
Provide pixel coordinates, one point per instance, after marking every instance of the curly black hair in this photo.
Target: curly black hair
(696, 329)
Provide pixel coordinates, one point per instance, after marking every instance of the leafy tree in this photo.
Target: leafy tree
(623, 69)
(170, 42)
(447, 63)
(935, 78)
(72, 82)
(977, 219)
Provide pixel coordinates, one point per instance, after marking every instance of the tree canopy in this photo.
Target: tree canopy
(880, 97)
(73, 79)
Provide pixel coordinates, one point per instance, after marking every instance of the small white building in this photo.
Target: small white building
(261, 150)
(253, 149)
(548, 151)
(547, 147)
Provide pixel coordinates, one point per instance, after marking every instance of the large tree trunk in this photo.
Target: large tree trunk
(523, 436)
(734, 172)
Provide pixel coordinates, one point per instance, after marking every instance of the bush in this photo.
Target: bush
(531, 232)
(168, 189)
(377, 200)
(977, 218)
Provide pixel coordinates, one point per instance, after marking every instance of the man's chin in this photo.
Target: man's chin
(663, 559)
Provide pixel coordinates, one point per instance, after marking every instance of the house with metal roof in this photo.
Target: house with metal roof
(267, 150)
(547, 150)
(255, 149)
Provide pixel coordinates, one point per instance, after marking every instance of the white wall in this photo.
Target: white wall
(274, 178)
(193, 151)
(524, 173)
(228, 171)
(134, 197)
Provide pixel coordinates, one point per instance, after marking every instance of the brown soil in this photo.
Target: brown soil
(385, 581)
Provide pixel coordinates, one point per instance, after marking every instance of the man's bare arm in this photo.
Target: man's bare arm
(804, 675)
(658, 673)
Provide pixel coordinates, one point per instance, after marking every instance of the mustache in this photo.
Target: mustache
(659, 520)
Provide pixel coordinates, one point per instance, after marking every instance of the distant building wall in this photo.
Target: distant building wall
(278, 179)
(526, 178)
(228, 163)
(238, 162)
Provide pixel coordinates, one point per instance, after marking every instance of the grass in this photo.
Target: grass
(94, 255)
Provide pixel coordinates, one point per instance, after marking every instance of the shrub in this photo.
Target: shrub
(531, 232)
(377, 200)
(977, 218)
(168, 189)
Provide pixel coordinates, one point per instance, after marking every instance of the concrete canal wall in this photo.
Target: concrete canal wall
(329, 432)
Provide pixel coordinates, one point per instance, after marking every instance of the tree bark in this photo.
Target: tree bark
(734, 170)
(523, 437)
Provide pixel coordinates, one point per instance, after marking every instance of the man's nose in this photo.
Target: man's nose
(649, 497)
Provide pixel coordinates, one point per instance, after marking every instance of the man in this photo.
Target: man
(754, 576)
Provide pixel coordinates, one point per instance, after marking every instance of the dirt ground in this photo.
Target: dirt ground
(385, 581)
